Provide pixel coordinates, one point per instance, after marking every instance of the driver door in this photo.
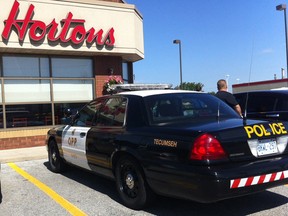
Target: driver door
(74, 136)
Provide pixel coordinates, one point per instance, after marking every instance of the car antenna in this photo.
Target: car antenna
(249, 80)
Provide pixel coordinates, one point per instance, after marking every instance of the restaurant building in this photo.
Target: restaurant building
(58, 54)
(260, 85)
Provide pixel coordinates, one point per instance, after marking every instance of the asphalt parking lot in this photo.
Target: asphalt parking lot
(30, 188)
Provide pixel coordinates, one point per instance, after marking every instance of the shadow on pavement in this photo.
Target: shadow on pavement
(172, 207)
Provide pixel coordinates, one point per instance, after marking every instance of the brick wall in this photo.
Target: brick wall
(99, 82)
(22, 138)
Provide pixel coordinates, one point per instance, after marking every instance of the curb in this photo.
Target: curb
(23, 154)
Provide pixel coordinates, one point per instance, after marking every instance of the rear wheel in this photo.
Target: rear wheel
(55, 161)
(131, 185)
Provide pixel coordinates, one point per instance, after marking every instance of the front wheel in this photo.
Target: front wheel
(56, 163)
(131, 185)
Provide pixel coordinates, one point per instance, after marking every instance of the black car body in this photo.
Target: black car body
(181, 144)
(0, 186)
(268, 104)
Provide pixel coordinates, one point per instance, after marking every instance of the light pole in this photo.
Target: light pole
(280, 8)
(227, 79)
(180, 55)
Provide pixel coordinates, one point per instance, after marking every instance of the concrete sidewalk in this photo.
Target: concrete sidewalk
(23, 154)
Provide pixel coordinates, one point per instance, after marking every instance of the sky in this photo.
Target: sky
(237, 40)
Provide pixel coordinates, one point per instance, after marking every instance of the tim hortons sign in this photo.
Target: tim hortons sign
(55, 32)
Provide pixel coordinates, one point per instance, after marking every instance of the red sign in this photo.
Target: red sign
(37, 29)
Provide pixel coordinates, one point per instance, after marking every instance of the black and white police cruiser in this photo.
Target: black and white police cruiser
(0, 185)
(175, 143)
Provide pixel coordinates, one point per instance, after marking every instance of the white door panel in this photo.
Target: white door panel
(74, 145)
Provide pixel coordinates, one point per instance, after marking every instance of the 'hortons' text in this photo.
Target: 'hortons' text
(38, 30)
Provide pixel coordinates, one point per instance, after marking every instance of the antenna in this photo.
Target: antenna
(250, 72)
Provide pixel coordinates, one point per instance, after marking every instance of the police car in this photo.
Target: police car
(174, 143)
(0, 186)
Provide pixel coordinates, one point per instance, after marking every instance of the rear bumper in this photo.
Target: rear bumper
(215, 183)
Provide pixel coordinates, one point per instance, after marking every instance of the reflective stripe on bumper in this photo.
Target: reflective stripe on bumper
(256, 180)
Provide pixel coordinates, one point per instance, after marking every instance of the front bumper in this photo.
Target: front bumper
(214, 183)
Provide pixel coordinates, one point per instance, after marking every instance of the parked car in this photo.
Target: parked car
(175, 143)
(269, 104)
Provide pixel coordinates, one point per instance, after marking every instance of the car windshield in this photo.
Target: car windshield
(186, 106)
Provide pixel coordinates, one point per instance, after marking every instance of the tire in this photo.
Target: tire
(56, 163)
(131, 185)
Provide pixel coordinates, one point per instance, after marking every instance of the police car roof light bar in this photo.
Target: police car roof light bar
(135, 87)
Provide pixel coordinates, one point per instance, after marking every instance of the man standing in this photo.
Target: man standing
(226, 96)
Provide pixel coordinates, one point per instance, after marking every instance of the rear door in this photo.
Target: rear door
(102, 138)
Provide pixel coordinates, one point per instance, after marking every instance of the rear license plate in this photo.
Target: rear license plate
(266, 147)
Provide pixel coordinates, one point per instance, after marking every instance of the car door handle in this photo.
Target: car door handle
(272, 115)
(82, 134)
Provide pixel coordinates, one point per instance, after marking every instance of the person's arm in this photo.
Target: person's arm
(237, 108)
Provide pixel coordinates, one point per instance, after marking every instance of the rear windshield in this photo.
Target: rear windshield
(186, 106)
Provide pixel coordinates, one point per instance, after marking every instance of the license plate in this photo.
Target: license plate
(266, 147)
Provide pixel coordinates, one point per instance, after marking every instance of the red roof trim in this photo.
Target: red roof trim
(260, 83)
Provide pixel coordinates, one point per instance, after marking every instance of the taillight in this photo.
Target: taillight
(207, 147)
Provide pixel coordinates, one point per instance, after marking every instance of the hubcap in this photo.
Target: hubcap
(129, 181)
(53, 156)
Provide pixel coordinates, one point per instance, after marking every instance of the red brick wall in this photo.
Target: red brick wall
(22, 137)
(22, 142)
(99, 82)
(103, 65)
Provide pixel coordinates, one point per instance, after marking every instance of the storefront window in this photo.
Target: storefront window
(62, 108)
(73, 90)
(30, 90)
(72, 67)
(18, 66)
(25, 115)
(1, 117)
(27, 91)
(125, 70)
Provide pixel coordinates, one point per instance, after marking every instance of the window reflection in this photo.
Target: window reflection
(1, 117)
(68, 67)
(27, 91)
(125, 72)
(61, 108)
(69, 90)
(20, 66)
(28, 82)
(25, 115)
(112, 113)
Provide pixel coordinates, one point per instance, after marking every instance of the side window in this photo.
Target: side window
(194, 107)
(260, 103)
(282, 104)
(241, 99)
(112, 113)
(87, 114)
